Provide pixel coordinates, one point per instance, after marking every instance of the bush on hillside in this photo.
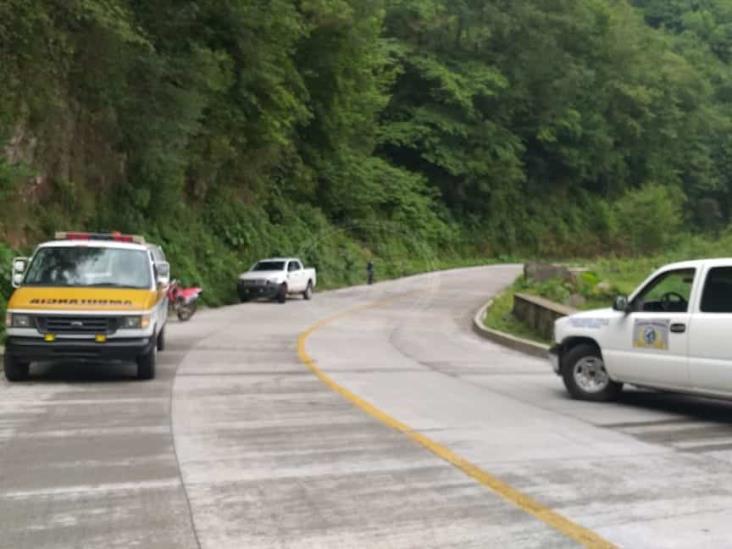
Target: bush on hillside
(648, 218)
(6, 256)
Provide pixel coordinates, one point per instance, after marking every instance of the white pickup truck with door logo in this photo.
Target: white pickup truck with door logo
(674, 332)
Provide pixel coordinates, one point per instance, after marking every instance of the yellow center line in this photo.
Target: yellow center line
(571, 529)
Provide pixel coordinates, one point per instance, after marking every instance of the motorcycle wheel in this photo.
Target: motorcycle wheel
(185, 311)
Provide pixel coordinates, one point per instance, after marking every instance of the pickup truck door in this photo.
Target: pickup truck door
(710, 337)
(295, 277)
(650, 344)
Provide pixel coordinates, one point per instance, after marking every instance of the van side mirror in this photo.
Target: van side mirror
(621, 304)
(162, 273)
(20, 264)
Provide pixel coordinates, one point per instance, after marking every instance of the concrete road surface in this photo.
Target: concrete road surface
(238, 444)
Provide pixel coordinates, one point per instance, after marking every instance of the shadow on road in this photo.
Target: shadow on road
(89, 372)
(705, 409)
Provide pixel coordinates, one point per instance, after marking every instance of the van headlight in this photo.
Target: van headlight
(138, 322)
(18, 321)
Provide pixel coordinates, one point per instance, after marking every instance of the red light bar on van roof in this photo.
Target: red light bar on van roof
(117, 237)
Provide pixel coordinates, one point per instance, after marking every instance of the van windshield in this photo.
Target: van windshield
(89, 267)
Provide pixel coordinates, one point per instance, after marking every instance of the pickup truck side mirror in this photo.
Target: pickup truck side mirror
(20, 264)
(621, 304)
(162, 273)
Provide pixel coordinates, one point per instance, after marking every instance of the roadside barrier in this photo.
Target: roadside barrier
(507, 340)
(539, 313)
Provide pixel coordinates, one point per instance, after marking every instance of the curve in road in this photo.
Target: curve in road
(237, 444)
(506, 491)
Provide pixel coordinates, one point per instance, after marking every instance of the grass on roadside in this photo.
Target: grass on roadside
(499, 317)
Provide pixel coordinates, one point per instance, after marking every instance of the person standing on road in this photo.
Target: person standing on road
(370, 272)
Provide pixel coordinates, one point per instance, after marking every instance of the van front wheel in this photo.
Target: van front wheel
(14, 369)
(146, 364)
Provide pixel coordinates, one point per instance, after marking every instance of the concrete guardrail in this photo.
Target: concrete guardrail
(539, 313)
(507, 340)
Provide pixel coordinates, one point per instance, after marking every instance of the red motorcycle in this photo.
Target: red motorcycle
(183, 301)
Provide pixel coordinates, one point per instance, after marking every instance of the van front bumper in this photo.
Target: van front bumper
(33, 349)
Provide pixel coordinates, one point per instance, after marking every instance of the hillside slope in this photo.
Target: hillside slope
(410, 131)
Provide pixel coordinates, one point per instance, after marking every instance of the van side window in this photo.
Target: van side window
(669, 293)
(717, 295)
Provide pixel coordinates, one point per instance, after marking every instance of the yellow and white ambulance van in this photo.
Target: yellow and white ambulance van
(88, 297)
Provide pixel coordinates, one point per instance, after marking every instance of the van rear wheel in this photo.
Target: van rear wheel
(585, 377)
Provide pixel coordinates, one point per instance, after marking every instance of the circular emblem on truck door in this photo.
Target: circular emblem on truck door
(649, 335)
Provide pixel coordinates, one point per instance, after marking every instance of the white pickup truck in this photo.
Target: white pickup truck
(276, 278)
(673, 333)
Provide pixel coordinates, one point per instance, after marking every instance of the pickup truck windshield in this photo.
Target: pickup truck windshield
(90, 267)
(269, 266)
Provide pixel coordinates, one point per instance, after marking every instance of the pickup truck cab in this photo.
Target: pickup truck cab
(276, 278)
(87, 297)
(673, 333)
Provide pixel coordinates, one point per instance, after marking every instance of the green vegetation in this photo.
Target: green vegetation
(6, 257)
(415, 133)
(604, 279)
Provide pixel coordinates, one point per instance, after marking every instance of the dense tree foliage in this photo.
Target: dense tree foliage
(345, 129)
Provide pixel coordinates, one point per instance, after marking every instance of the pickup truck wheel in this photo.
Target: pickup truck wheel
(14, 369)
(585, 377)
(146, 364)
(308, 293)
(282, 294)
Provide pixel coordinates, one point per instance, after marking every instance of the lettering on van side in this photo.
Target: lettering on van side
(97, 302)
